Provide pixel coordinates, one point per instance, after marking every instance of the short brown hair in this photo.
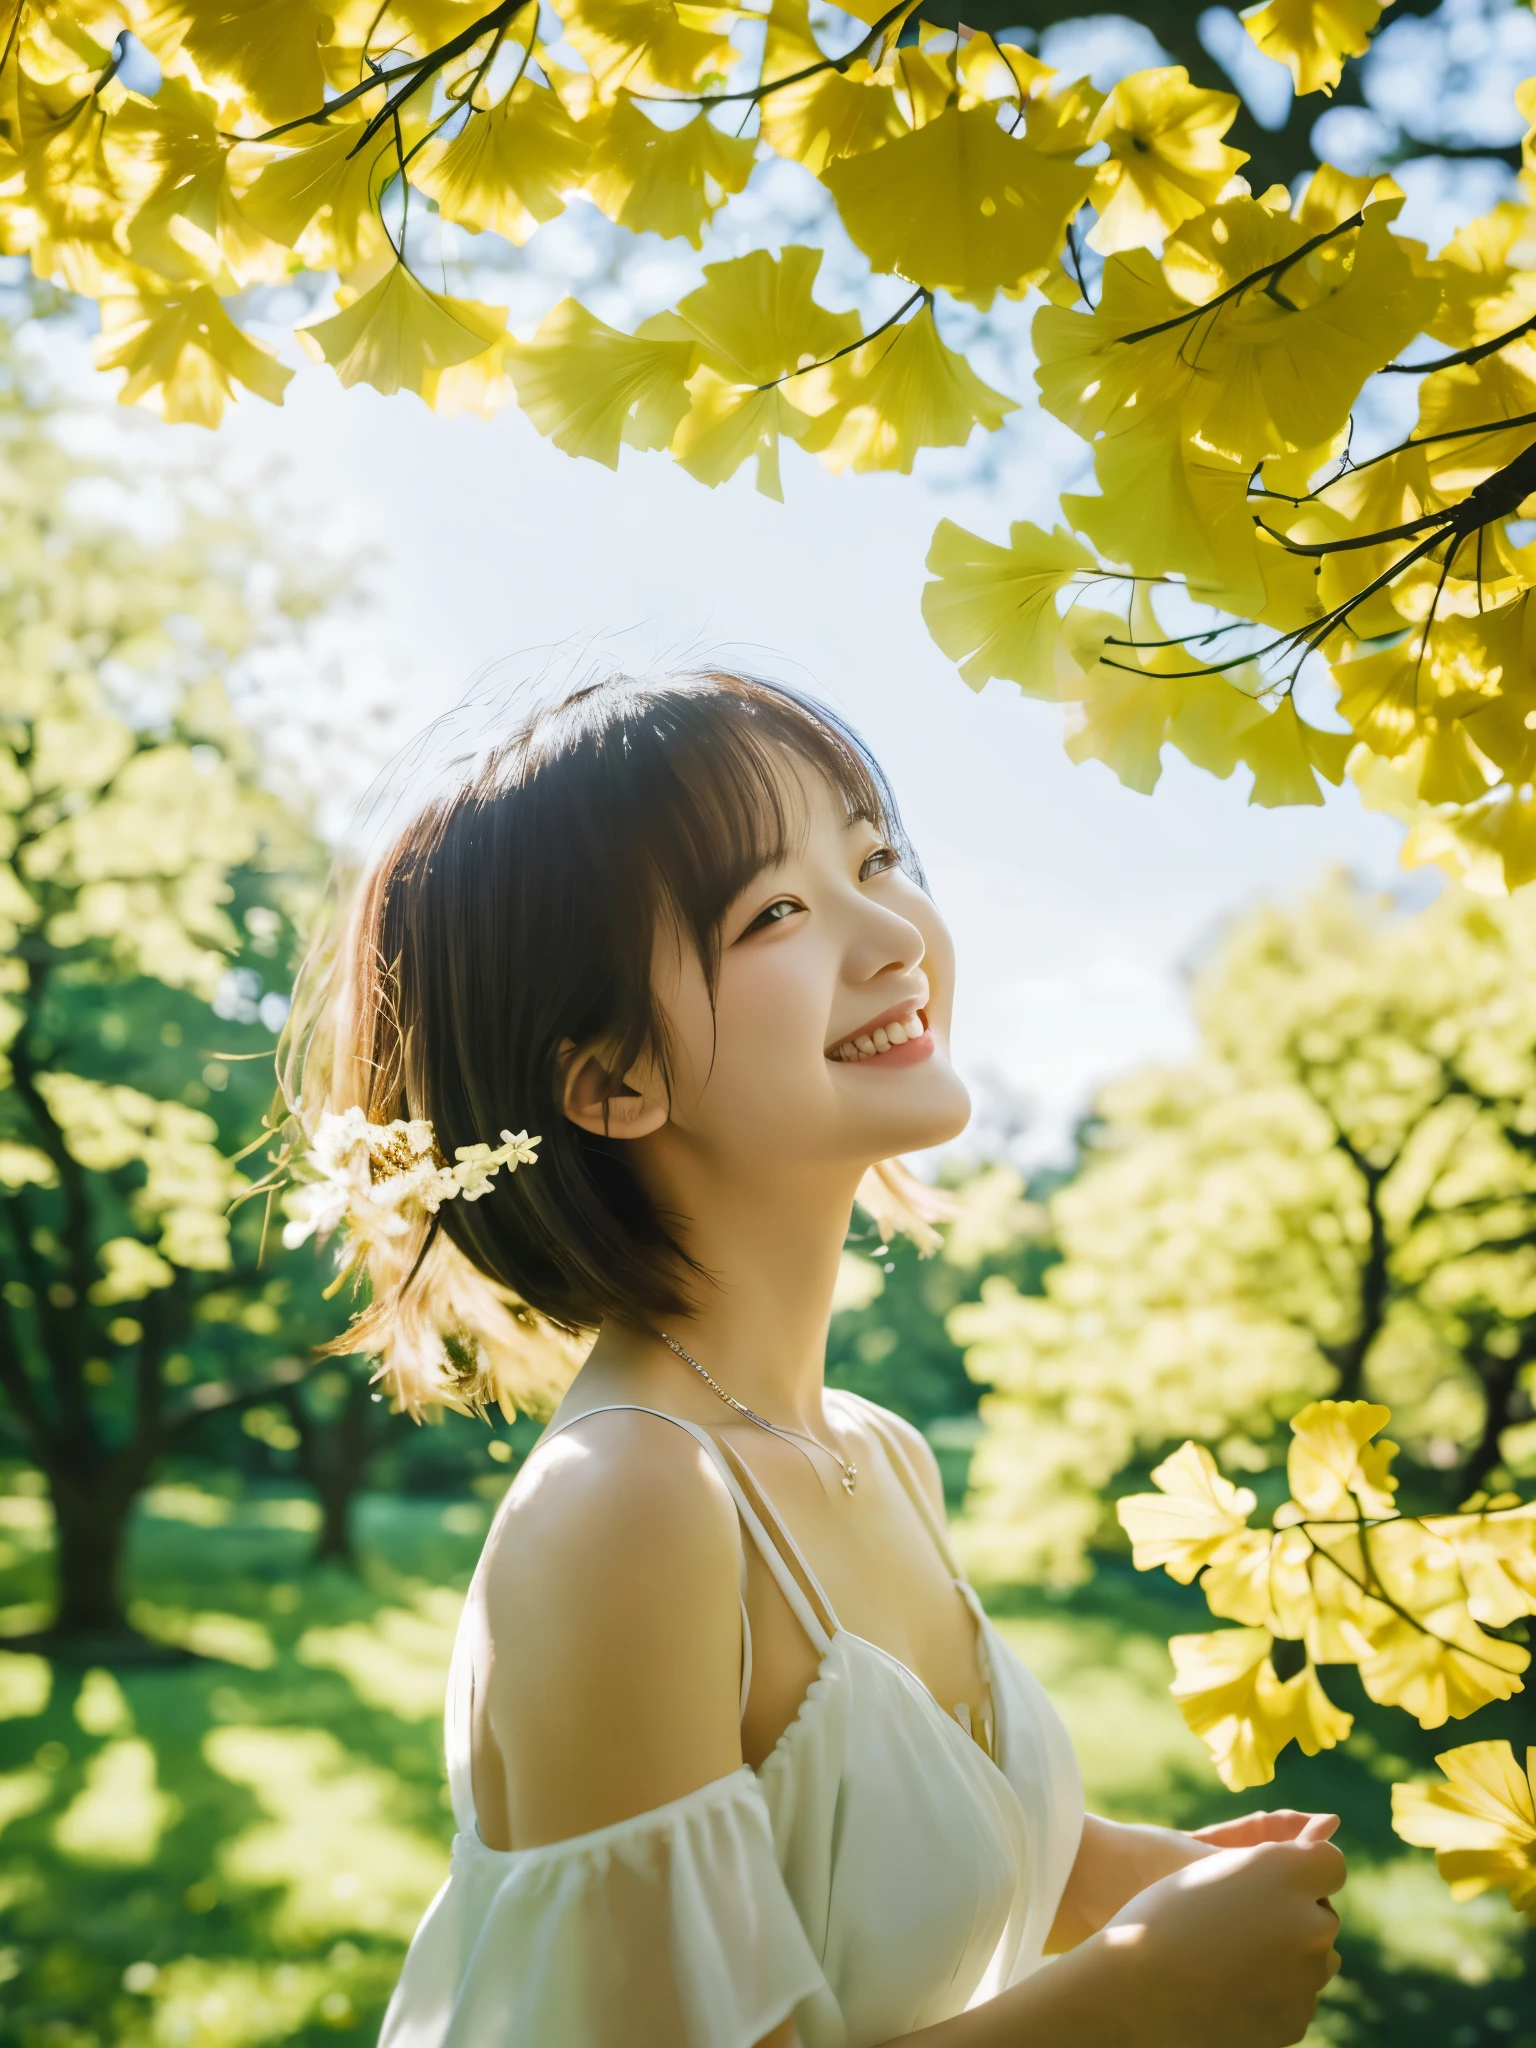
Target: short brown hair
(521, 911)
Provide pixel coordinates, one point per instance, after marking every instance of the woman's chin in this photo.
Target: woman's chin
(930, 1108)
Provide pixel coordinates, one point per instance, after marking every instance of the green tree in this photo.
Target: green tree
(1335, 1196)
(148, 897)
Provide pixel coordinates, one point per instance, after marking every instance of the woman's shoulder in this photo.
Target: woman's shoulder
(614, 1485)
(612, 1626)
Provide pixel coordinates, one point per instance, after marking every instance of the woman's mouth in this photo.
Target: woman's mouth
(898, 1037)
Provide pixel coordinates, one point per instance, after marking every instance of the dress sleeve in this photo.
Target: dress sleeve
(671, 1930)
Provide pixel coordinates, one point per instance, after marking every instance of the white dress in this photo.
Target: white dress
(878, 1873)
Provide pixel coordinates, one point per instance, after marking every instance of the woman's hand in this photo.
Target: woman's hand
(1234, 1948)
(1249, 1829)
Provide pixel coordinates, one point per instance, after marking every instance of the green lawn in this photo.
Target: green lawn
(233, 1851)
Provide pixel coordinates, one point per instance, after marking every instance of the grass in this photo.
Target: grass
(233, 1852)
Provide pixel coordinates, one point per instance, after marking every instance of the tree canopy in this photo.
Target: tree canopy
(1264, 576)
(149, 894)
(1336, 1196)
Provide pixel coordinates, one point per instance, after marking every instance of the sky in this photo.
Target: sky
(1075, 903)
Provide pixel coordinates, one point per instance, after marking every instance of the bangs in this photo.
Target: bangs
(688, 787)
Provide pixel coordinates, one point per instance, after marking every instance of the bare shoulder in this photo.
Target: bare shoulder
(617, 1499)
(904, 1437)
(614, 1633)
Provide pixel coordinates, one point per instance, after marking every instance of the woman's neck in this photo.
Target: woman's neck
(768, 1253)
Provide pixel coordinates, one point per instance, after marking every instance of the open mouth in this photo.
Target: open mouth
(898, 1036)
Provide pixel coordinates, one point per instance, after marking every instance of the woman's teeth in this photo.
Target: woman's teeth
(870, 1045)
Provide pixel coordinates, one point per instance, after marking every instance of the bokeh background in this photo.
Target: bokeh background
(221, 1805)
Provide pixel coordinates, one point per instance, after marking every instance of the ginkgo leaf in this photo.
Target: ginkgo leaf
(900, 392)
(1333, 1467)
(1438, 1665)
(829, 114)
(267, 51)
(993, 610)
(1480, 1821)
(591, 388)
(1229, 1694)
(1287, 754)
(1194, 1514)
(183, 355)
(324, 194)
(670, 181)
(959, 205)
(509, 167)
(482, 385)
(1167, 162)
(728, 423)
(755, 323)
(398, 331)
(1314, 37)
(644, 44)
(755, 318)
(1496, 1555)
(1168, 506)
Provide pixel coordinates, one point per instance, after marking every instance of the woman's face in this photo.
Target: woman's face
(829, 1036)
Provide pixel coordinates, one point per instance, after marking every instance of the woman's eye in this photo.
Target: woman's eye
(880, 862)
(774, 914)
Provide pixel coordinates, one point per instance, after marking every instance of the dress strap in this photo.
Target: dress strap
(772, 1553)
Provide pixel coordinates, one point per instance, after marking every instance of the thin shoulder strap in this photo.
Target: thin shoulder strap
(772, 1553)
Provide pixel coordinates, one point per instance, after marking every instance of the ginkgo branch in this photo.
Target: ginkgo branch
(1461, 356)
(848, 348)
(1269, 273)
(417, 70)
(894, 18)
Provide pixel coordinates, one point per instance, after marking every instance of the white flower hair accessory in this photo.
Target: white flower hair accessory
(380, 1181)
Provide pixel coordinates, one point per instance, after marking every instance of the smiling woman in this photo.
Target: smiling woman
(677, 929)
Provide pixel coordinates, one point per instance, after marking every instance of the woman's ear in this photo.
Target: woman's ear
(599, 1099)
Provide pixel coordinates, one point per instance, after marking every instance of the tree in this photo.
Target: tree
(1336, 1196)
(1261, 578)
(147, 916)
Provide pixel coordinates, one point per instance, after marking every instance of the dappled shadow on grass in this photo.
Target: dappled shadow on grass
(1420, 1971)
(234, 1851)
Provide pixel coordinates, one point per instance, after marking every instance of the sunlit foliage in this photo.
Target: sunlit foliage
(1429, 1608)
(1246, 584)
(148, 889)
(1336, 1196)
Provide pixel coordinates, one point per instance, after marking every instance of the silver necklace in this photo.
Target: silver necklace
(849, 1470)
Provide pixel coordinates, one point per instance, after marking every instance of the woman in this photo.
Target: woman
(736, 1759)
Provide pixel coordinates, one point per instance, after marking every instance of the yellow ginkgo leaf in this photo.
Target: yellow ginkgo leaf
(267, 51)
(1312, 38)
(1333, 1467)
(322, 196)
(1183, 1525)
(900, 392)
(1439, 1666)
(1287, 755)
(993, 610)
(1168, 505)
(1496, 1551)
(755, 323)
(645, 44)
(183, 356)
(509, 167)
(1167, 161)
(1480, 1822)
(727, 424)
(670, 181)
(1229, 1694)
(481, 386)
(828, 114)
(591, 388)
(398, 332)
(959, 205)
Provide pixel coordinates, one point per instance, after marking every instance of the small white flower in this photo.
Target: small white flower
(380, 1180)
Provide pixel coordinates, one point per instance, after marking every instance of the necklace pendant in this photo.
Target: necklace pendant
(850, 1478)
